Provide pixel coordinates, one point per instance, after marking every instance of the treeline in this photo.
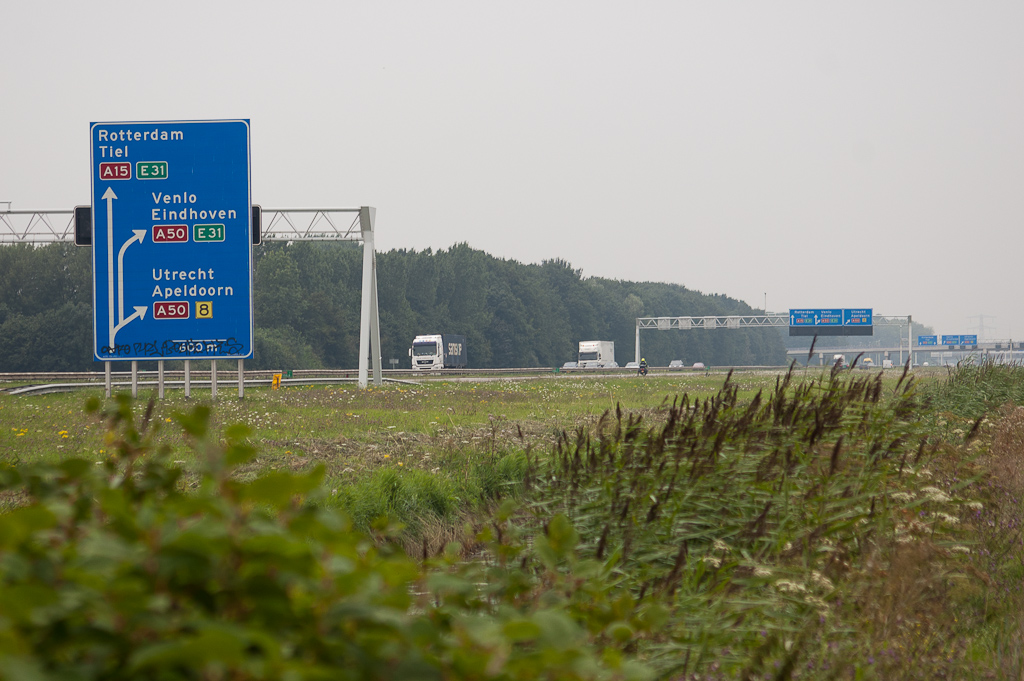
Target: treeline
(307, 305)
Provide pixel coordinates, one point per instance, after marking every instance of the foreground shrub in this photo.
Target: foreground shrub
(111, 569)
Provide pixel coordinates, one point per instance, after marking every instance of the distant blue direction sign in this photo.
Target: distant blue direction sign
(857, 317)
(971, 339)
(802, 317)
(951, 340)
(927, 340)
(830, 317)
(172, 254)
(831, 322)
(816, 317)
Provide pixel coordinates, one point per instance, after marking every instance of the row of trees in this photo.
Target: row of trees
(307, 298)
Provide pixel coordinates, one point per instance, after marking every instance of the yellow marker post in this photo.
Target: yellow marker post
(277, 382)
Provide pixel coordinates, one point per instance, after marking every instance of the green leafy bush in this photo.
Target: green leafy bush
(123, 569)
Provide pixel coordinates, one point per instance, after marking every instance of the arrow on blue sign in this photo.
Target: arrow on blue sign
(139, 235)
(140, 313)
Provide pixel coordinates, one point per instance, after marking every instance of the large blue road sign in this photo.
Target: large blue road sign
(951, 340)
(816, 317)
(857, 317)
(172, 253)
(831, 322)
(927, 340)
(969, 339)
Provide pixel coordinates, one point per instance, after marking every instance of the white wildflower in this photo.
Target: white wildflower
(712, 561)
(762, 571)
(720, 545)
(935, 494)
(959, 549)
(816, 603)
(787, 586)
(821, 580)
(902, 496)
(975, 505)
(948, 519)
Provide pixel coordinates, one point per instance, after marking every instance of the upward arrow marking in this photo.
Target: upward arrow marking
(109, 197)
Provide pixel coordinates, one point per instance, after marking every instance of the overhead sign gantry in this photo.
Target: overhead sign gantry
(812, 322)
(831, 322)
(172, 253)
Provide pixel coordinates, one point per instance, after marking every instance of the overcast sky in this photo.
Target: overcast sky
(866, 154)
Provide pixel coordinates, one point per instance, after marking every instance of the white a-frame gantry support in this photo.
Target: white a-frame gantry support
(369, 320)
(277, 224)
(334, 224)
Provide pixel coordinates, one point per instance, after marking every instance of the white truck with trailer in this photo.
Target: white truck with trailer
(596, 354)
(438, 351)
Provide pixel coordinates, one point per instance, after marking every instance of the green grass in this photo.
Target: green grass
(452, 446)
(861, 525)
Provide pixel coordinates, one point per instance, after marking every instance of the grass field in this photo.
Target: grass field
(354, 431)
(814, 525)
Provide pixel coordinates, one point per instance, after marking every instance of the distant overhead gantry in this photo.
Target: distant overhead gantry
(770, 319)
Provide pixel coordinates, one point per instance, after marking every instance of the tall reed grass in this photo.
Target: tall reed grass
(801, 534)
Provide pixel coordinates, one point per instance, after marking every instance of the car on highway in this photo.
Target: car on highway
(570, 365)
(698, 365)
(632, 365)
(675, 364)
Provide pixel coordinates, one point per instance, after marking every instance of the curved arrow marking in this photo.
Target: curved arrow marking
(140, 312)
(140, 234)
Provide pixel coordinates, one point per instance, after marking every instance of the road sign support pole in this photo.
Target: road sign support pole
(135, 378)
(636, 345)
(213, 379)
(901, 348)
(160, 378)
(188, 382)
(106, 378)
(376, 362)
(241, 378)
(369, 322)
(910, 340)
